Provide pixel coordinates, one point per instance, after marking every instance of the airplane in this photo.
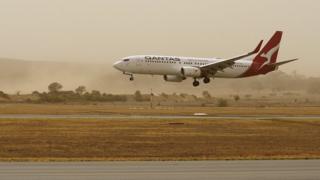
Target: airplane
(176, 68)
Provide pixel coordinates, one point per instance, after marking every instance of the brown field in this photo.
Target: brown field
(62, 140)
(146, 110)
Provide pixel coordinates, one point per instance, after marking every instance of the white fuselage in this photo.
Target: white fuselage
(262, 60)
(171, 65)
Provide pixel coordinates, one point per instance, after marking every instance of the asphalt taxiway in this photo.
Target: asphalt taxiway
(182, 170)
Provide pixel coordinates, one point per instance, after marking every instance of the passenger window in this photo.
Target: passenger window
(126, 60)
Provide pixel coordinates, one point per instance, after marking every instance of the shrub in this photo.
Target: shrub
(138, 96)
(80, 90)
(222, 102)
(54, 87)
(236, 97)
(206, 95)
(4, 95)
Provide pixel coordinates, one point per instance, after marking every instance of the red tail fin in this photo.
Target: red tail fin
(270, 51)
(268, 55)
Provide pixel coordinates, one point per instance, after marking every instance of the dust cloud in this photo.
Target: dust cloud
(28, 76)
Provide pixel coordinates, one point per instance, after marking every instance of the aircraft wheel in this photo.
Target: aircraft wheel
(131, 78)
(206, 80)
(196, 83)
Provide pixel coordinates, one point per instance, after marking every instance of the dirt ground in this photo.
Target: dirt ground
(87, 140)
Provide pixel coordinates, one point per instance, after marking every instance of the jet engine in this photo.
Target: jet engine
(173, 78)
(191, 72)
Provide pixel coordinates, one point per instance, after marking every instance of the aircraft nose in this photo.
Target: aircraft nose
(117, 65)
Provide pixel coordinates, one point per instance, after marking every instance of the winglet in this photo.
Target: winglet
(257, 48)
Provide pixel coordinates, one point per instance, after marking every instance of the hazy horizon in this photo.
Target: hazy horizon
(105, 31)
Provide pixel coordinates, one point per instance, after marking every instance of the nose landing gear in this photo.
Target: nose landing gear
(131, 76)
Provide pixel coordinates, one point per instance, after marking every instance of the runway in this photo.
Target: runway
(183, 170)
(137, 117)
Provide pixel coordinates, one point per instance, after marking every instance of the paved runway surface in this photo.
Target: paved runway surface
(133, 117)
(184, 170)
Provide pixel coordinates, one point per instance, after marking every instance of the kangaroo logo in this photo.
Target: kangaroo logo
(268, 55)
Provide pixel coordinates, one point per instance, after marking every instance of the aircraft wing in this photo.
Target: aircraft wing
(220, 65)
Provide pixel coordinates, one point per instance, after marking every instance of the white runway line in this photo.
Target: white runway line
(133, 117)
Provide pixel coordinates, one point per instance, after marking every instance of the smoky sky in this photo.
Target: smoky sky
(103, 31)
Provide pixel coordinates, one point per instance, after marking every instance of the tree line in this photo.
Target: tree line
(56, 94)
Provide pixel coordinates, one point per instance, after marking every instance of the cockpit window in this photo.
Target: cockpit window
(126, 60)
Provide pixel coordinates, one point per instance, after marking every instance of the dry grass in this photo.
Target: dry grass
(61, 140)
(144, 110)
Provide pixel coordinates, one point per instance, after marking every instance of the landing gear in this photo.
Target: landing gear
(196, 83)
(131, 78)
(206, 80)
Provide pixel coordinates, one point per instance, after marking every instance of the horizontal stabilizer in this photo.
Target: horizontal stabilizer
(283, 62)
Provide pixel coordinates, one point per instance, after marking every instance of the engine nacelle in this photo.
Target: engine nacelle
(173, 78)
(190, 72)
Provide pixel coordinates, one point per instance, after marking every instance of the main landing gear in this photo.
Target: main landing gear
(206, 80)
(196, 83)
